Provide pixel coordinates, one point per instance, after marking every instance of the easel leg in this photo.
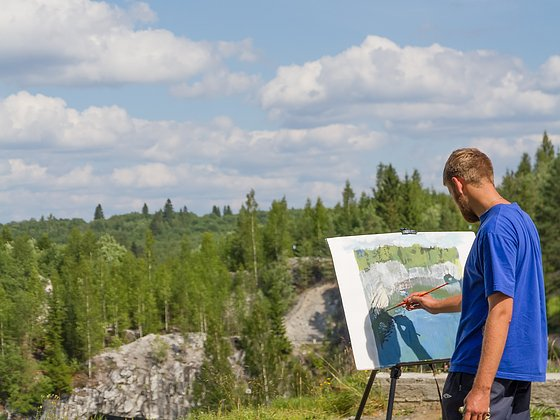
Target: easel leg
(366, 395)
(395, 374)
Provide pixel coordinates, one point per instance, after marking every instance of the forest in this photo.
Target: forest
(70, 288)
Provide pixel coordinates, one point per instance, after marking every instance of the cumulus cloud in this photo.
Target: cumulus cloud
(382, 80)
(18, 172)
(506, 148)
(151, 175)
(82, 176)
(83, 42)
(27, 119)
(549, 77)
(217, 84)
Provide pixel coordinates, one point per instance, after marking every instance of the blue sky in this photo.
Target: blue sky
(124, 102)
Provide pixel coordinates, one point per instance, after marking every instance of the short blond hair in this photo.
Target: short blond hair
(469, 164)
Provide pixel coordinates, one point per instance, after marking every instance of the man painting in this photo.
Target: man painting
(501, 344)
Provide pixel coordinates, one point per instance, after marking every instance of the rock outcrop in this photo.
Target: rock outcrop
(150, 378)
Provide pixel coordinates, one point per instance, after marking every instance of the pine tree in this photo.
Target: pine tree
(266, 349)
(216, 211)
(388, 197)
(145, 211)
(520, 186)
(346, 215)
(276, 235)
(168, 211)
(369, 219)
(227, 211)
(98, 215)
(304, 233)
(215, 385)
(322, 228)
(546, 216)
(414, 202)
(156, 225)
(55, 364)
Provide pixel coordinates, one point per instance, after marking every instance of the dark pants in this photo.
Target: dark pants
(508, 399)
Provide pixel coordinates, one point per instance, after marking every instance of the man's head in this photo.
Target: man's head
(470, 165)
(467, 166)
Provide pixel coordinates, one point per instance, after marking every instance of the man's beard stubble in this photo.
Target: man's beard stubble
(469, 215)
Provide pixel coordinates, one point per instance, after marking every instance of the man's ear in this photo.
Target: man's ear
(458, 184)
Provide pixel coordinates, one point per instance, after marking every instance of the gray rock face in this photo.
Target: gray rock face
(149, 378)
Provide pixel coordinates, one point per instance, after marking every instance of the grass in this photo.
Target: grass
(280, 409)
(334, 398)
(541, 412)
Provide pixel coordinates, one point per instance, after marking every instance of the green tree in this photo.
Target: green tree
(304, 233)
(227, 211)
(265, 353)
(388, 196)
(55, 363)
(215, 387)
(546, 213)
(145, 211)
(520, 186)
(98, 215)
(156, 225)
(112, 286)
(83, 332)
(323, 228)
(414, 202)
(248, 232)
(276, 233)
(369, 219)
(216, 211)
(168, 211)
(346, 214)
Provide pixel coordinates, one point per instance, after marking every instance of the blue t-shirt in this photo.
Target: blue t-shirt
(505, 257)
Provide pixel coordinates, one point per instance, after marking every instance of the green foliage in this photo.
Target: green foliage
(215, 388)
(159, 350)
(98, 214)
(389, 197)
(543, 412)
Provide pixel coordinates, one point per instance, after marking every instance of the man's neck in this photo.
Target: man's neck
(484, 197)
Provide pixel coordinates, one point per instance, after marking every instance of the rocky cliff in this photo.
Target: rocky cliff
(151, 377)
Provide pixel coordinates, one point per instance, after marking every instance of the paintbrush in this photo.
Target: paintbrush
(421, 294)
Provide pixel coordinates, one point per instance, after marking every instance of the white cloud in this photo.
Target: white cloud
(217, 84)
(18, 172)
(507, 148)
(381, 80)
(549, 77)
(151, 175)
(42, 120)
(82, 42)
(82, 176)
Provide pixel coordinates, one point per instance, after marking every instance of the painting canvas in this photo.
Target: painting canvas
(376, 272)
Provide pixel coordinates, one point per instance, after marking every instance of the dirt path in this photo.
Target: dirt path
(306, 322)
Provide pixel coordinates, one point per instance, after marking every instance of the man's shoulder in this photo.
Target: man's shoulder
(505, 217)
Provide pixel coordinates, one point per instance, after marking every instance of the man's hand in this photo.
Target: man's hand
(477, 404)
(426, 302)
(431, 304)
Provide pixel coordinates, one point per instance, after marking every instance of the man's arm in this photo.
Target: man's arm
(477, 401)
(433, 305)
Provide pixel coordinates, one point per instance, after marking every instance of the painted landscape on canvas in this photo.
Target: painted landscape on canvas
(380, 271)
